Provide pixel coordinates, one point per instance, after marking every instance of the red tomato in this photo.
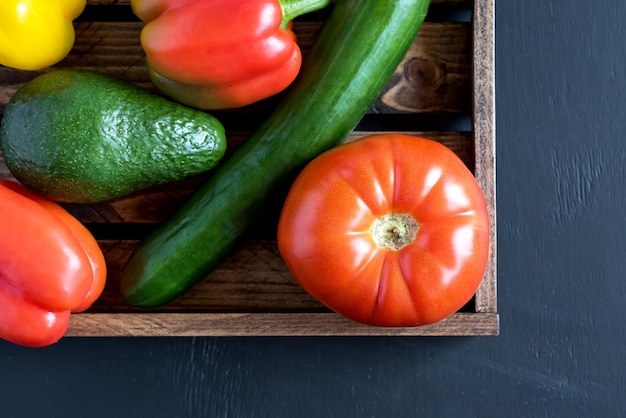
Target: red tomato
(388, 230)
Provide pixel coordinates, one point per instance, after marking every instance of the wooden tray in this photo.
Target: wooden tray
(444, 89)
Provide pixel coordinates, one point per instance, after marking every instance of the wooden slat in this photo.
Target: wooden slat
(484, 136)
(4, 171)
(155, 205)
(434, 76)
(268, 324)
(254, 279)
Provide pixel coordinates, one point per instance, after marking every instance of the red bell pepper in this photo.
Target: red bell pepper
(50, 266)
(217, 54)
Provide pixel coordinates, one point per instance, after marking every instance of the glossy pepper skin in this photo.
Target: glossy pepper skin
(50, 266)
(35, 34)
(221, 54)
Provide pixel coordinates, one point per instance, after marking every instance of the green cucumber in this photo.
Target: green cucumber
(356, 52)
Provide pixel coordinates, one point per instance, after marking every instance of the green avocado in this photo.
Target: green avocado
(83, 137)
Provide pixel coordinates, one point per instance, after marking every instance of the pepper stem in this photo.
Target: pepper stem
(294, 8)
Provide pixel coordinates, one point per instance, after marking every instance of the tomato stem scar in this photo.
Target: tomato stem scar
(394, 231)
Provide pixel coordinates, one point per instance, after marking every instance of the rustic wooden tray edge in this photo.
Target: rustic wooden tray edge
(483, 318)
(484, 322)
(484, 137)
(265, 324)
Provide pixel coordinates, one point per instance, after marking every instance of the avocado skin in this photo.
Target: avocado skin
(81, 136)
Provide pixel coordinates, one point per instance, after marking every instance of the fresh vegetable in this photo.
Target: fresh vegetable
(50, 266)
(221, 53)
(389, 230)
(35, 34)
(83, 137)
(357, 50)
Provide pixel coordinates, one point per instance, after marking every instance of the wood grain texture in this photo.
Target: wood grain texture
(484, 121)
(267, 324)
(434, 76)
(156, 204)
(254, 279)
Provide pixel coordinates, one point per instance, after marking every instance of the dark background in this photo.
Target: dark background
(561, 155)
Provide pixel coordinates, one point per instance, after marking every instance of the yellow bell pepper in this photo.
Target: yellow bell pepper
(35, 34)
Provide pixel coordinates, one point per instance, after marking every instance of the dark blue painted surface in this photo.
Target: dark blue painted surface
(561, 152)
